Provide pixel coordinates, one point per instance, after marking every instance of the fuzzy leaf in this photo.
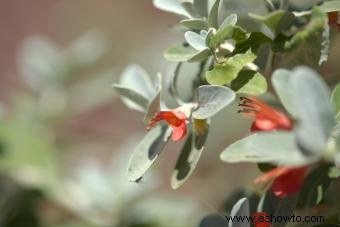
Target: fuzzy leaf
(213, 14)
(281, 82)
(136, 88)
(212, 99)
(313, 109)
(131, 98)
(181, 53)
(171, 6)
(201, 7)
(147, 151)
(259, 147)
(194, 24)
(190, 154)
(195, 40)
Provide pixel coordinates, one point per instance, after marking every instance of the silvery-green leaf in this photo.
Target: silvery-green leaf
(224, 73)
(131, 98)
(249, 82)
(194, 24)
(212, 99)
(147, 151)
(335, 99)
(230, 20)
(172, 6)
(135, 87)
(314, 110)
(138, 80)
(274, 147)
(330, 6)
(195, 40)
(191, 153)
(181, 53)
(213, 14)
(281, 83)
(240, 209)
(201, 7)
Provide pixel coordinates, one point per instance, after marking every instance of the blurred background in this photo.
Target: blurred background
(66, 137)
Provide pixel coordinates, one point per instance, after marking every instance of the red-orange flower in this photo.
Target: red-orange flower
(266, 118)
(334, 20)
(175, 118)
(287, 180)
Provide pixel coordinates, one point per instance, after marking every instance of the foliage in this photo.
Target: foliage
(231, 59)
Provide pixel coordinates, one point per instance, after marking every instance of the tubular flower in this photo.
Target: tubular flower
(176, 120)
(266, 118)
(287, 180)
(334, 20)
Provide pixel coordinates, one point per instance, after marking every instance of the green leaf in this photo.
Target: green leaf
(314, 187)
(147, 151)
(213, 14)
(274, 147)
(212, 99)
(315, 25)
(194, 24)
(224, 73)
(276, 21)
(240, 209)
(335, 99)
(172, 6)
(225, 33)
(313, 109)
(254, 42)
(281, 83)
(131, 98)
(330, 6)
(230, 20)
(181, 53)
(249, 82)
(201, 7)
(195, 40)
(190, 154)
